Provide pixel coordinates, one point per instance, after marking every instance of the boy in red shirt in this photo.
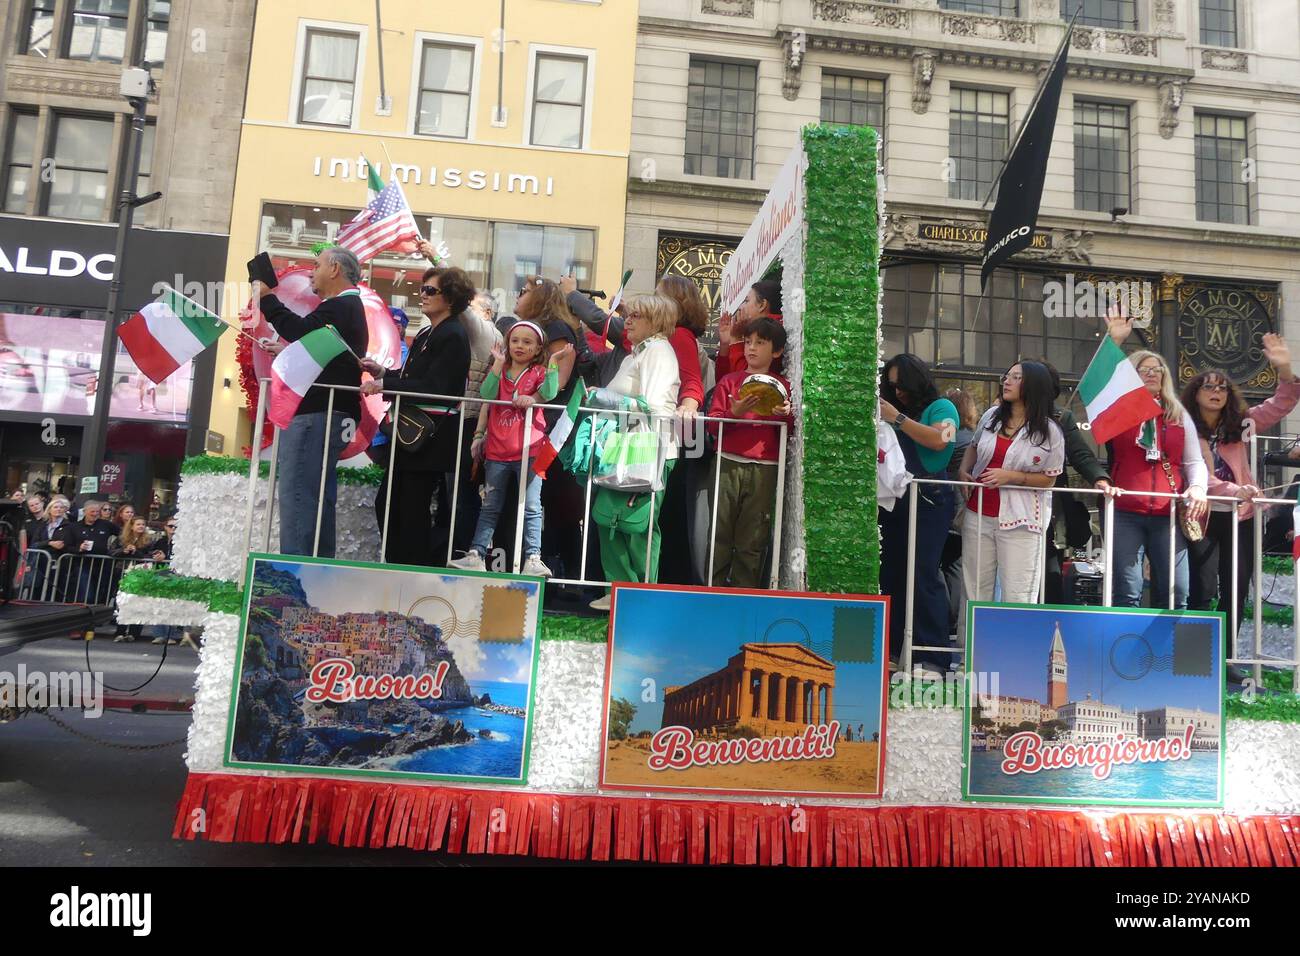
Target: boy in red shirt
(747, 485)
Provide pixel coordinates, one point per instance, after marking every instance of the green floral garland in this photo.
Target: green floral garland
(227, 465)
(840, 358)
(220, 597)
(566, 627)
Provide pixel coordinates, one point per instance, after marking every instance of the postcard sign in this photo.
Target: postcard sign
(385, 670)
(1103, 706)
(764, 692)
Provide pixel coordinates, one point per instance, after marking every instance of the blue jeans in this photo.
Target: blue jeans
(299, 464)
(498, 481)
(1137, 535)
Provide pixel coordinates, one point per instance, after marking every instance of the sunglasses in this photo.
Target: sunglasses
(430, 291)
(1214, 387)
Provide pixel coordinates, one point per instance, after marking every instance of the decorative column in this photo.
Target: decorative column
(800, 704)
(778, 691)
(816, 703)
(744, 694)
(829, 709)
(763, 690)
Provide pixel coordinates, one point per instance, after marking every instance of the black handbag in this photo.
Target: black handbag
(415, 428)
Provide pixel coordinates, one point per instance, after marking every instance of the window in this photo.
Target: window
(146, 215)
(329, 73)
(855, 100)
(1101, 156)
(1219, 22)
(98, 30)
(1116, 14)
(559, 98)
(18, 164)
(1222, 189)
(40, 28)
(159, 16)
(994, 8)
(933, 310)
(977, 140)
(82, 146)
(446, 75)
(520, 249)
(720, 119)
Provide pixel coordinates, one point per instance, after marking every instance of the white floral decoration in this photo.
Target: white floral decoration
(566, 724)
(923, 756)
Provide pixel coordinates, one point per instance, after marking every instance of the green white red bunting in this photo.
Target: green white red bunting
(167, 333)
(296, 369)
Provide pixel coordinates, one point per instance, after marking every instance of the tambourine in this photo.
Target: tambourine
(769, 390)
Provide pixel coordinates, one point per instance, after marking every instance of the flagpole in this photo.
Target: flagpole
(392, 176)
(1038, 94)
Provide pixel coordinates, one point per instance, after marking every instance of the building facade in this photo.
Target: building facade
(1166, 722)
(1006, 711)
(1093, 721)
(63, 163)
(510, 138)
(1173, 167)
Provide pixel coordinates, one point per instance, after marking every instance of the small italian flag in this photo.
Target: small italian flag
(1114, 395)
(374, 185)
(561, 431)
(296, 369)
(167, 333)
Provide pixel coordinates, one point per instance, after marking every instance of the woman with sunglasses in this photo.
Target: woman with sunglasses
(1162, 455)
(1220, 415)
(437, 364)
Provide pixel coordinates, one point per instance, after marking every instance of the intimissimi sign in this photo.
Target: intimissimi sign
(447, 177)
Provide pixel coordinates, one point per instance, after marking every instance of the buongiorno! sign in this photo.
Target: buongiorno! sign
(778, 222)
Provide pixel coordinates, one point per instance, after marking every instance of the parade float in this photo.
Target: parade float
(771, 733)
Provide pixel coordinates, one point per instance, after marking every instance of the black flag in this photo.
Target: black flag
(1011, 226)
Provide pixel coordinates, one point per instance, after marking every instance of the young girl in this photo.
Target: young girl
(134, 540)
(527, 377)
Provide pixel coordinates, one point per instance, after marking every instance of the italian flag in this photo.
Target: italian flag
(296, 369)
(167, 333)
(1113, 394)
(559, 434)
(374, 185)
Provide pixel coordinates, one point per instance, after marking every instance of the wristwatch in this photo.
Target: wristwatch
(900, 420)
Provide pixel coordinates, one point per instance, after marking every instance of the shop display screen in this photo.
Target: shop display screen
(50, 364)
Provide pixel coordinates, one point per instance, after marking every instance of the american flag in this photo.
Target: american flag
(385, 224)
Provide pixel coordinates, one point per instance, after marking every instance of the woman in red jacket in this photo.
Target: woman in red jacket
(1220, 415)
(762, 302)
(1162, 456)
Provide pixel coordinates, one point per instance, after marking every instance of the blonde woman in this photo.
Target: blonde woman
(627, 523)
(1162, 455)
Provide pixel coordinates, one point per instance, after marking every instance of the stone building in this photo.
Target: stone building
(1173, 722)
(1174, 163)
(770, 688)
(1094, 721)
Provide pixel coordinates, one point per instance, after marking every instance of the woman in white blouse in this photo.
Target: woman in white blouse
(1016, 443)
(627, 523)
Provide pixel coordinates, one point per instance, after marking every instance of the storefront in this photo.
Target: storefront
(56, 284)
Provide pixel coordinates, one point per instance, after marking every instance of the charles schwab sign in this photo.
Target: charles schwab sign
(70, 264)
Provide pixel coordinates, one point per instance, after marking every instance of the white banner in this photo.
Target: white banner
(778, 221)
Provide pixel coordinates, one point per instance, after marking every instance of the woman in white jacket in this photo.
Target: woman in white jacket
(1016, 443)
(628, 524)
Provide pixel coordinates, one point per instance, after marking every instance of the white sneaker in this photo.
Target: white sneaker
(600, 604)
(473, 561)
(535, 567)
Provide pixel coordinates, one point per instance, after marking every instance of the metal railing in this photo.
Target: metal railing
(1107, 515)
(461, 403)
(75, 578)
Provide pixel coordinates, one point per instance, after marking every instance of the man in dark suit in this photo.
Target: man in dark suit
(431, 381)
(303, 443)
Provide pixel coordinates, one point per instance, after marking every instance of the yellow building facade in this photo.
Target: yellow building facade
(511, 143)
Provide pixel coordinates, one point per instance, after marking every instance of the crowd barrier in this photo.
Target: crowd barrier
(90, 579)
(691, 442)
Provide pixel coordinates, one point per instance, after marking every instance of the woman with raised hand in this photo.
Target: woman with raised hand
(1162, 455)
(1221, 417)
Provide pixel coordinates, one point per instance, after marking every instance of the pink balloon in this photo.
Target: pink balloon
(384, 345)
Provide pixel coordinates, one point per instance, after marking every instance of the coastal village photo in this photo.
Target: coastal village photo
(375, 670)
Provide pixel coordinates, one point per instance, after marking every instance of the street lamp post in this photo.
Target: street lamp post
(137, 85)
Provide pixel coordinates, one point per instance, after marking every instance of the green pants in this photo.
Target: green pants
(746, 496)
(623, 553)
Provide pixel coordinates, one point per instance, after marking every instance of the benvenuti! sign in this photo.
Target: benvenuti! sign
(777, 223)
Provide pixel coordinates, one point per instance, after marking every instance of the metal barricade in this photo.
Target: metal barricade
(1255, 659)
(90, 579)
(462, 403)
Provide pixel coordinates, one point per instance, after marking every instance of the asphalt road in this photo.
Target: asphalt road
(68, 801)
